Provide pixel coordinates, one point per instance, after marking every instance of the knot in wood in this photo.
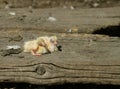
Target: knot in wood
(40, 70)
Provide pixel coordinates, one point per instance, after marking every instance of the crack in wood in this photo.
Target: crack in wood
(102, 65)
(59, 77)
(51, 66)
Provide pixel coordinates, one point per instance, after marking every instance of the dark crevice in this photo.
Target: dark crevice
(113, 31)
(60, 86)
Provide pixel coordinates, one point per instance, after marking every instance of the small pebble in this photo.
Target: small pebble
(52, 19)
(12, 13)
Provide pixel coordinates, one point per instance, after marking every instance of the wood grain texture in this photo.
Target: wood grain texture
(51, 73)
(78, 20)
(84, 59)
(80, 61)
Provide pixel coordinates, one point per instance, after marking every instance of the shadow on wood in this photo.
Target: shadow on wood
(61, 86)
(110, 30)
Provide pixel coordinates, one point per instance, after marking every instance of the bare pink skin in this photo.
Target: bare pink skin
(34, 53)
(54, 42)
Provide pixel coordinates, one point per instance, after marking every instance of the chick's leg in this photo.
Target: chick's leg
(34, 53)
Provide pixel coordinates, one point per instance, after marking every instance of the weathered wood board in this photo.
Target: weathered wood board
(55, 3)
(80, 61)
(84, 58)
(78, 20)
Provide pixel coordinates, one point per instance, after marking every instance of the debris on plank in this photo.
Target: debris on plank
(12, 13)
(13, 49)
(9, 52)
(51, 19)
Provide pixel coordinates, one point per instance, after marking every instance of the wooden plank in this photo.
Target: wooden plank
(56, 3)
(81, 64)
(84, 20)
(84, 59)
(55, 72)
